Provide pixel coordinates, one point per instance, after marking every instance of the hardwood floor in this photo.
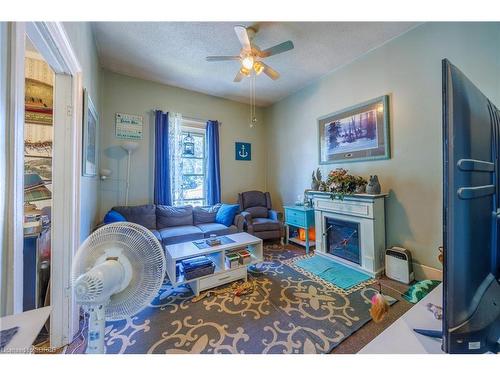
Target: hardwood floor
(370, 330)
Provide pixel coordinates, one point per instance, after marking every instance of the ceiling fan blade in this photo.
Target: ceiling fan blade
(270, 72)
(221, 58)
(239, 77)
(279, 48)
(241, 33)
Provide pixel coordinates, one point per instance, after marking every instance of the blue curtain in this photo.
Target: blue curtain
(213, 163)
(162, 189)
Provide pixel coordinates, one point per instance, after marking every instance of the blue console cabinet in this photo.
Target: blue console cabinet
(299, 217)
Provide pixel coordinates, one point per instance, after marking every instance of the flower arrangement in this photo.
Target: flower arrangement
(341, 183)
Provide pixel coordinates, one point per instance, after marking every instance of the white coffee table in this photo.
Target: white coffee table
(222, 274)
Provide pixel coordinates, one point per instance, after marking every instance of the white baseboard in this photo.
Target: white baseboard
(423, 272)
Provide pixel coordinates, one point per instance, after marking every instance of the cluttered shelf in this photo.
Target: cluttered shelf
(196, 268)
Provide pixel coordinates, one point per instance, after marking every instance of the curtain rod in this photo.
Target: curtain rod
(195, 119)
(189, 118)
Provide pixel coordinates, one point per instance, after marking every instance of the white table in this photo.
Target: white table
(30, 323)
(222, 273)
(399, 338)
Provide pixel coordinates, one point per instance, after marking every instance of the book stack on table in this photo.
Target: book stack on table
(197, 267)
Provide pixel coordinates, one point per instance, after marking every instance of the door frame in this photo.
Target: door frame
(52, 42)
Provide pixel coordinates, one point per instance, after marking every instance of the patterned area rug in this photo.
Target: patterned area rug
(287, 312)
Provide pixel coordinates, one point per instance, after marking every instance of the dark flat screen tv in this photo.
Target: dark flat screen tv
(471, 215)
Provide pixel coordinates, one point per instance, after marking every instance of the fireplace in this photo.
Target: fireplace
(351, 230)
(343, 239)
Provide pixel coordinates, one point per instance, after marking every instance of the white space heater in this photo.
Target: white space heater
(398, 265)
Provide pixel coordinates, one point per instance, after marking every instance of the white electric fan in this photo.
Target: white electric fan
(117, 271)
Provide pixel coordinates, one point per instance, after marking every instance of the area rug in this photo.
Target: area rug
(333, 272)
(286, 313)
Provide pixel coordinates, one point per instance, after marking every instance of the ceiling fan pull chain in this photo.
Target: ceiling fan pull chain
(253, 118)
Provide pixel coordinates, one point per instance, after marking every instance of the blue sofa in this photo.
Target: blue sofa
(175, 224)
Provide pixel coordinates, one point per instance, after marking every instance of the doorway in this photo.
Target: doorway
(38, 141)
(44, 172)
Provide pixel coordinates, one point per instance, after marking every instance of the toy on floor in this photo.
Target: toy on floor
(380, 306)
(436, 310)
(236, 288)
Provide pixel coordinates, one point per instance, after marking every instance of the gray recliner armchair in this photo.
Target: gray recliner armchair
(260, 219)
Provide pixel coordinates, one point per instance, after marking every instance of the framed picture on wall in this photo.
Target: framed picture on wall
(90, 123)
(357, 133)
(38, 102)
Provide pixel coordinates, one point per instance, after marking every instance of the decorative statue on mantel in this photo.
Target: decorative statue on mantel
(373, 186)
(316, 180)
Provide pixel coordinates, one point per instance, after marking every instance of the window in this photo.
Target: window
(194, 169)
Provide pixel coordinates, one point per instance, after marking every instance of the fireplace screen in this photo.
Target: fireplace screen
(342, 239)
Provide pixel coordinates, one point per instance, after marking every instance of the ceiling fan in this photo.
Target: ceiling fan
(251, 56)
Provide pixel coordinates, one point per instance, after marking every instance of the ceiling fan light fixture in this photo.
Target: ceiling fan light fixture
(245, 71)
(258, 67)
(247, 62)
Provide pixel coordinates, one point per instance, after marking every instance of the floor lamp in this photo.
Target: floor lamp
(129, 147)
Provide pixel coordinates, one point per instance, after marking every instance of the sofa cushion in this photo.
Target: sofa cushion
(258, 212)
(202, 215)
(217, 229)
(173, 216)
(226, 213)
(144, 215)
(180, 233)
(262, 224)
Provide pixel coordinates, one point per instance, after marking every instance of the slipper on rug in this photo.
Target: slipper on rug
(419, 290)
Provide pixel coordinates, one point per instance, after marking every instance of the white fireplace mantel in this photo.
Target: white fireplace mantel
(365, 209)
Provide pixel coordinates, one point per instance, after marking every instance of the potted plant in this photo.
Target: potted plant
(340, 183)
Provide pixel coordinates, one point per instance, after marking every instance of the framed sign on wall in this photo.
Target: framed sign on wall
(128, 126)
(243, 151)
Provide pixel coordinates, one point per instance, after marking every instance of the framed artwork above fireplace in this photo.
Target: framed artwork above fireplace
(357, 133)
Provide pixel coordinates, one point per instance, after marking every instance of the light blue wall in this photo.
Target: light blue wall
(408, 69)
(82, 41)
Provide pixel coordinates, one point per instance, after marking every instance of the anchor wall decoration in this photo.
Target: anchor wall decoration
(243, 151)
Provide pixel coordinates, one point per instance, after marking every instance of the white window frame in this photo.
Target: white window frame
(199, 128)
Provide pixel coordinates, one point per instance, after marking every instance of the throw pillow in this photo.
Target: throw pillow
(113, 217)
(226, 213)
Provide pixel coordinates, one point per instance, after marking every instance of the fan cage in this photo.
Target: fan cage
(145, 254)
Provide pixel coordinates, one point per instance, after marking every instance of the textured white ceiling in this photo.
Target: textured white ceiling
(174, 52)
